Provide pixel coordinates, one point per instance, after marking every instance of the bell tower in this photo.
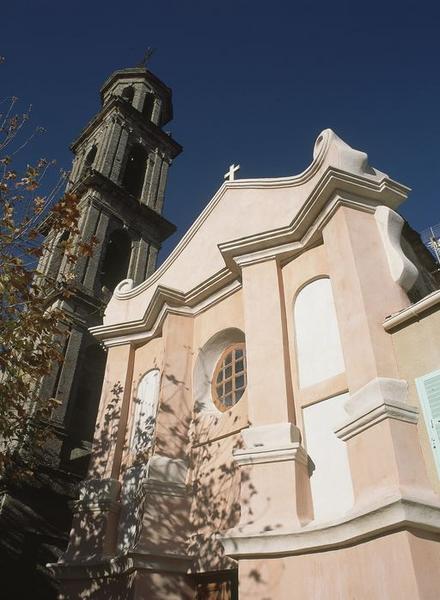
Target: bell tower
(119, 175)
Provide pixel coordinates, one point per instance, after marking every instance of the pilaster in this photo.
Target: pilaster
(111, 425)
(91, 278)
(381, 433)
(383, 445)
(150, 199)
(120, 155)
(269, 384)
(138, 264)
(158, 206)
(364, 294)
(274, 464)
(152, 259)
(113, 133)
(175, 400)
(89, 226)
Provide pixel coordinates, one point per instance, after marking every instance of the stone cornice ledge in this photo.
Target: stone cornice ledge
(412, 312)
(335, 188)
(276, 442)
(121, 565)
(335, 166)
(279, 244)
(387, 410)
(257, 456)
(379, 399)
(164, 302)
(400, 513)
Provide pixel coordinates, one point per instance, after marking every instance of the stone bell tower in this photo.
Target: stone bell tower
(119, 175)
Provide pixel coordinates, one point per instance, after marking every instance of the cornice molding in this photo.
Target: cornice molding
(381, 398)
(388, 516)
(258, 456)
(122, 565)
(362, 188)
(369, 192)
(120, 109)
(388, 410)
(277, 442)
(167, 301)
(413, 312)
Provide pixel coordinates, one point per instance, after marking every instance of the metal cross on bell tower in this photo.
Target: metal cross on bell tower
(146, 58)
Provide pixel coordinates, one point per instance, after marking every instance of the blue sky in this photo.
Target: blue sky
(254, 83)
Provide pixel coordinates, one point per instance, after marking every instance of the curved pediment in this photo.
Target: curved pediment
(248, 215)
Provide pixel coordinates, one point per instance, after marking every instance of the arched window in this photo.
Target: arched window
(318, 345)
(116, 260)
(134, 175)
(147, 109)
(229, 381)
(211, 371)
(90, 156)
(144, 417)
(88, 161)
(128, 93)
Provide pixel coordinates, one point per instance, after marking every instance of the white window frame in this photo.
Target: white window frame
(144, 423)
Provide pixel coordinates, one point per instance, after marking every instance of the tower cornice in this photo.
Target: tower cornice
(142, 215)
(141, 72)
(123, 108)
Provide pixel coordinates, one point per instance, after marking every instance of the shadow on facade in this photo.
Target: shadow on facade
(153, 529)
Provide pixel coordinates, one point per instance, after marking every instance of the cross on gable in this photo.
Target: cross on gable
(230, 175)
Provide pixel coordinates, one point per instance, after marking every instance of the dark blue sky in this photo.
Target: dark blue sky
(254, 82)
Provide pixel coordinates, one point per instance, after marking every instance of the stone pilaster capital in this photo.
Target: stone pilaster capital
(381, 398)
(98, 495)
(271, 443)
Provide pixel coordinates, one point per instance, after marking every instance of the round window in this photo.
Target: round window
(229, 381)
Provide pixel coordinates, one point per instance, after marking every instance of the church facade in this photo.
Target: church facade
(269, 405)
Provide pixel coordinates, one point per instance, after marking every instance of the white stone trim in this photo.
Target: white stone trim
(163, 469)
(338, 176)
(399, 411)
(166, 488)
(271, 443)
(279, 244)
(274, 435)
(269, 455)
(412, 312)
(327, 146)
(121, 565)
(381, 398)
(380, 519)
(390, 225)
(167, 301)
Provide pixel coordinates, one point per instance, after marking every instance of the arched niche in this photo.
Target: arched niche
(145, 402)
(318, 345)
(116, 260)
(205, 365)
(148, 107)
(90, 156)
(128, 93)
(88, 161)
(56, 252)
(134, 174)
